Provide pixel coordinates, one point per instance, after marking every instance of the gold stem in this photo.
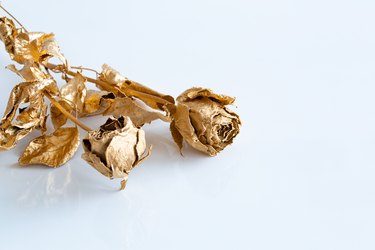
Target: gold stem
(15, 19)
(66, 113)
(84, 68)
(111, 88)
(102, 84)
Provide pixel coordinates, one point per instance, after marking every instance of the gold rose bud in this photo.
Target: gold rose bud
(204, 121)
(115, 148)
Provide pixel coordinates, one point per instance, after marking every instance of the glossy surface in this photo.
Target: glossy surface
(299, 176)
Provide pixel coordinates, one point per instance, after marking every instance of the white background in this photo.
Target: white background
(301, 175)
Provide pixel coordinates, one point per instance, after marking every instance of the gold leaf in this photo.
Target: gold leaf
(29, 118)
(125, 106)
(42, 125)
(97, 102)
(50, 48)
(72, 96)
(57, 117)
(74, 92)
(23, 93)
(20, 94)
(30, 47)
(135, 89)
(8, 32)
(30, 72)
(34, 116)
(52, 150)
(26, 47)
(10, 136)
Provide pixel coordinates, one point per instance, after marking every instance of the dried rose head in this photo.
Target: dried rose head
(202, 119)
(115, 148)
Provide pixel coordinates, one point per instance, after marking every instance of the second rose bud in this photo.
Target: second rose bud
(115, 148)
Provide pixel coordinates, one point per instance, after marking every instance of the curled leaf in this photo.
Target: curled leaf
(11, 135)
(151, 97)
(36, 47)
(23, 93)
(8, 32)
(74, 92)
(52, 150)
(30, 72)
(57, 117)
(50, 48)
(125, 106)
(97, 102)
(72, 96)
(33, 116)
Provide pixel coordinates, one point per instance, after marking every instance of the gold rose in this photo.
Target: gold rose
(200, 117)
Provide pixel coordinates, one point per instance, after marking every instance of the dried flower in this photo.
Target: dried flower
(115, 148)
(202, 119)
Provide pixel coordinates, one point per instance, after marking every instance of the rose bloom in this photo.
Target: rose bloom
(115, 148)
(204, 121)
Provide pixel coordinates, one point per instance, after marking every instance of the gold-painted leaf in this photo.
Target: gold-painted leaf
(36, 47)
(50, 48)
(11, 135)
(149, 96)
(97, 102)
(8, 32)
(33, 116)
(52, 150)
(29, 118)
(30, 72)
(72, 96)
(74, 92)
(57, 117)
(20, 94)
(125, 106)
(23, 93)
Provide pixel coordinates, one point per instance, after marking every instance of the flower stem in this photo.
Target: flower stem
(84, 68)
(66, 113)
(15, 19)
(109, 87)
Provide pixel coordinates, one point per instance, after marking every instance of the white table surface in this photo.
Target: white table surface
(301, 175)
